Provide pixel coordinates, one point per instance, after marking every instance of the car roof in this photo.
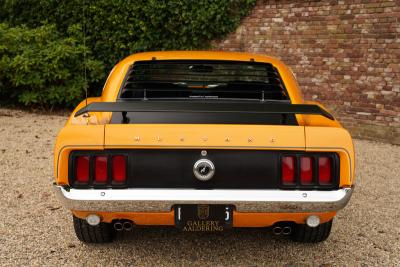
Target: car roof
(117, 75)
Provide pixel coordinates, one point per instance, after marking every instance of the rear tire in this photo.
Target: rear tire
(101, 233)
(306, 234)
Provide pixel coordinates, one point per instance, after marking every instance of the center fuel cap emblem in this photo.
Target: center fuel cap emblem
(203, 169)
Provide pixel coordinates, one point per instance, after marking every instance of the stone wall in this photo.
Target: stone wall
(345, 54)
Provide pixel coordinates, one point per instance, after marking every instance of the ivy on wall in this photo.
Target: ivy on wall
(114, 29)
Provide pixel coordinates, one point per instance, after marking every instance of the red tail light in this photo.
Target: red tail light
(288, 170)
(100, 169)
(119, 169)
(306, 170)
(310, 171)
(82, 169)
(325, 172)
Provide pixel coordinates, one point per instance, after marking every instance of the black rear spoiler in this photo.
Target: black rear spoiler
(204, 107)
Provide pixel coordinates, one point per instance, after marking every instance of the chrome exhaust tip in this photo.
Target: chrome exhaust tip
(127, 226)
(287, 230)
(277, 230)
(118, 226)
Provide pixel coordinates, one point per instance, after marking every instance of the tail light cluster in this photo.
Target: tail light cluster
(98, 170)
(109, 169)
(309, 170)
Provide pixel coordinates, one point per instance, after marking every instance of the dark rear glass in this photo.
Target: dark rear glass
(201, 79)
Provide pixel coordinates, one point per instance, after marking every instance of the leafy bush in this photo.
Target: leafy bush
(39, 67)
(114, 29)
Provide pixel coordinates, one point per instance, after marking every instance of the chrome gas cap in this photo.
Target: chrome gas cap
(203, 169)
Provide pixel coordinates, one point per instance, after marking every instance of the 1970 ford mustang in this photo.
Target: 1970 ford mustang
(203, 141)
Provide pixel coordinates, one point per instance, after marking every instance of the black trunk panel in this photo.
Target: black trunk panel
(174, 169)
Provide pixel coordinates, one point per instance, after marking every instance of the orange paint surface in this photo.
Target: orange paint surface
(314, 133)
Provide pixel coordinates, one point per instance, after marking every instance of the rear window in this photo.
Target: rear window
(203, 79)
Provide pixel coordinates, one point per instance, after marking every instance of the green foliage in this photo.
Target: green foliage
(115, 29)
(39, 67)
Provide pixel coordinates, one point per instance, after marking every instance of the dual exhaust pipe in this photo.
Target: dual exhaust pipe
(123, 226)
(284, 230)
(119, 225)
(128, 226)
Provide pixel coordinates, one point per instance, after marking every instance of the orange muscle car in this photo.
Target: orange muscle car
(203, 141)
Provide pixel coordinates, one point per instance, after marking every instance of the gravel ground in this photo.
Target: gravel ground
(35, 230)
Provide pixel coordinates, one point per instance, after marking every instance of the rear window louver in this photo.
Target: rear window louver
(201, 79)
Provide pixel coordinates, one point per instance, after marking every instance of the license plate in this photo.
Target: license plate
(203, 217)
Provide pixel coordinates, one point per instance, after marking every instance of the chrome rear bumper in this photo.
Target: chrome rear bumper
(162, 200)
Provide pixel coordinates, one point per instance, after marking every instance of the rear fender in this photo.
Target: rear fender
(324, 139)
(74, 137)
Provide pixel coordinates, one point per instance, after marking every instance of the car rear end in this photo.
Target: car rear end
(203, 143)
